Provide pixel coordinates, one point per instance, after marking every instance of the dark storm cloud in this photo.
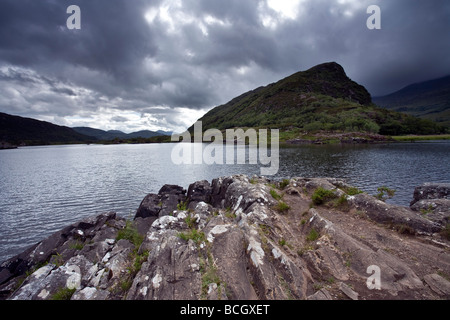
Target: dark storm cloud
(162, 63)
(113, 38)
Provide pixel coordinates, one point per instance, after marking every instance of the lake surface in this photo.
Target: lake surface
(43, 189)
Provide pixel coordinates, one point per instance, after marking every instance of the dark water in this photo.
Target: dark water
(43, 189)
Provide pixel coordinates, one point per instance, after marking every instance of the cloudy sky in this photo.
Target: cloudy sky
(161, 64)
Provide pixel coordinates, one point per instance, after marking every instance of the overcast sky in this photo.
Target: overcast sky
(144, 64)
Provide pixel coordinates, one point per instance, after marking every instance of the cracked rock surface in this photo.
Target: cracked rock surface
(245, 238)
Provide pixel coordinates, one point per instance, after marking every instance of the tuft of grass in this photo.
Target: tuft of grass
(321, 195)
(384, 193)
(282, 207)
(313, 235)
(197, 236)
(275, 194)
(131, 234)
(444, 275)
(182, 206)
(230, 214)
(125, 284)
(76, 245)
(284, 183)
(351, 191)
(342, 200)
(427, 210)
(139, 259)
(404, 229)
(446, 231)
(342, 203)
(190, 221)
(63, 294)
(57, 259)
(209, 274)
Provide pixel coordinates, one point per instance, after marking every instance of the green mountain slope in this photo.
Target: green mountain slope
(321, 98)
(429, 100)
(18, 131)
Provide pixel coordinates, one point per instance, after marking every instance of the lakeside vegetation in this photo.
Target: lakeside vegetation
(413, 138)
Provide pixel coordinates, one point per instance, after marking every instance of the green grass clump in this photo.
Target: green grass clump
(341, 203)
(284, 183)
(404, 229)
(384, 193)
(197, 236)
(131, 234)
(446, 231)
(421, 137)
(321, 195)
(351, 191)
(282, 207)
(63, 294)
(76, 245)
(275, 194)
(190, 221)
(182, 206)
(313, 235)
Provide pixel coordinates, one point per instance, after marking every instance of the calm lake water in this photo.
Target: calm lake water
(43, 189)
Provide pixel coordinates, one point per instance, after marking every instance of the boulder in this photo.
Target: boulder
(199, 191)
(431, 191)
(171, 197)
(53, 245)
(431, 201)
(150, 206)
(163, 203)
(396, 216)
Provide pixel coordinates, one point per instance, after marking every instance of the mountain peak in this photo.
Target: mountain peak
(331, 72)
(328, 67)
(327, 79)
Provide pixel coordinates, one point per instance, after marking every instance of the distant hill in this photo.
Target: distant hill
(148, 134)
(17, 130)
(429, 100)
(321, 98)
(113, 134)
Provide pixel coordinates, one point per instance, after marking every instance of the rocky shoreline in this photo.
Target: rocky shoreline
(246, 238)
